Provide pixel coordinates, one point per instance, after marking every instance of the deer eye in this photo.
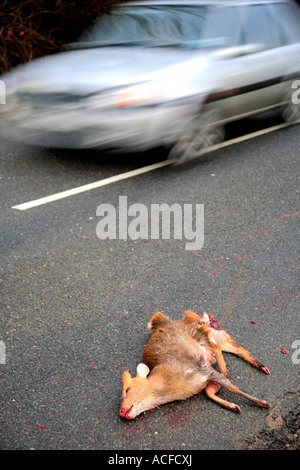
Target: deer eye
(127, 390)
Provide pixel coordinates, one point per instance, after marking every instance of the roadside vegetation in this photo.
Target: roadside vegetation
(34, 28)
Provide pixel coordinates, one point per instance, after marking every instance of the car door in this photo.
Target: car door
(221, 34)
(258, 75)
(287, 17)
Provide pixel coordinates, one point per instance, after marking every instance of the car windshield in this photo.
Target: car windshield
(155, 26)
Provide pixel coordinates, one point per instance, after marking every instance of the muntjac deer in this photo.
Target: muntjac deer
(177, 364)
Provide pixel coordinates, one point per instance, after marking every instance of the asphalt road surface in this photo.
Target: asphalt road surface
(75, 307)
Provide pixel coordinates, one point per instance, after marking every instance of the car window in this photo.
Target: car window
(147, 26)
(288, 20)
(259, 27)
(223, 27)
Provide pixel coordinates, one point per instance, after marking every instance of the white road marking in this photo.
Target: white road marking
(145, 169)
(90, 186)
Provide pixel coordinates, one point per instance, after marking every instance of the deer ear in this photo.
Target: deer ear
(142, 370)
(126, 378)
(205, 318)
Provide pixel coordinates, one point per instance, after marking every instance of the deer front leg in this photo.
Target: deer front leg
(231, 347)
(219, 357)
(224, 340)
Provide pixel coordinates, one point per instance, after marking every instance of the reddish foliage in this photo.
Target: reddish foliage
(33, 28)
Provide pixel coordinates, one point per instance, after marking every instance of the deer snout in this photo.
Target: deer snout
(124, 412)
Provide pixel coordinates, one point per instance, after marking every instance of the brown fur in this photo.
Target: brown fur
(180, 354)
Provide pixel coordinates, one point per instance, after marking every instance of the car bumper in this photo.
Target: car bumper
(125, 129)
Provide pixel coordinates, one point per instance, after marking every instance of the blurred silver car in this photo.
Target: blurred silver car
(159, 73)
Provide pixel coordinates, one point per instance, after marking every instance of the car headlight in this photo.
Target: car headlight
(138, 95)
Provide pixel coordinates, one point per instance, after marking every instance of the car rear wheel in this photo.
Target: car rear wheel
(291, 110)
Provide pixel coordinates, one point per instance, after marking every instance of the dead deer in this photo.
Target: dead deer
(178, 362)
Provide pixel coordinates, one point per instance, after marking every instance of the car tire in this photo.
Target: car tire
(291, 110)
(204, 132)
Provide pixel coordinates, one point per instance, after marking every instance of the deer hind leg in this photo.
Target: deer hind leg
(212, 389)
(217, 380)
(231, 347)
(220, 379)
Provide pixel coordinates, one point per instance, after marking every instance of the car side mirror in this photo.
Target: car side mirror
(238, 51)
